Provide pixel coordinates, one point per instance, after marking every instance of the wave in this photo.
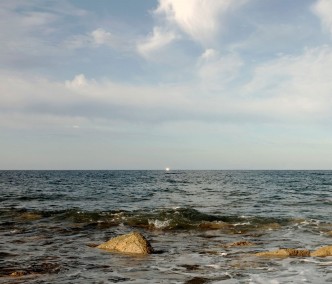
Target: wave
(164, 218)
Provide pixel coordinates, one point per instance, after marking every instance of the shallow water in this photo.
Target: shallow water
(50, 222)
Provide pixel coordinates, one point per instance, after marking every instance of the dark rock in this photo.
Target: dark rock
(190, 267)
(197, 280)
(44, 268)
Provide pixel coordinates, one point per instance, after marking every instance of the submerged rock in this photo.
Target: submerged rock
(323, 251)
(285, 253)
(197, 280)
(240, 244)
(270, 226)
(190, 266)
(30, 216)
(34, 269)
(214, 225)
(134, 243)
(18, 274)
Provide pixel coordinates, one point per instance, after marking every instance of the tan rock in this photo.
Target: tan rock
(131, 243)
(285, 253)
(323, 251)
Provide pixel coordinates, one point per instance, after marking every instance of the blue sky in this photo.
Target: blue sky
(199, 84)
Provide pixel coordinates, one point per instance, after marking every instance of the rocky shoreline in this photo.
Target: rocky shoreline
(248, 251)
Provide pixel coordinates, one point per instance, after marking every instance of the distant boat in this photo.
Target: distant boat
(167, 169)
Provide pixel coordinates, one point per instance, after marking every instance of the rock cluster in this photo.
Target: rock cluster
(133, 243)
(285, 253)
(289, 252)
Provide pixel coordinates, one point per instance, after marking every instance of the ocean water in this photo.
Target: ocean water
(51, 221)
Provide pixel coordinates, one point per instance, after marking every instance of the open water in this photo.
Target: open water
(51, 221)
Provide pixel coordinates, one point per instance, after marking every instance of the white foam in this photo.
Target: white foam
(241, 224)
(158, 224)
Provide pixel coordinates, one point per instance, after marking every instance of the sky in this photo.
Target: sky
(185, 84)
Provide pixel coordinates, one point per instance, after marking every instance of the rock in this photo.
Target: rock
(240, 244)
(44, 268)
(197, 280)
(131, 243)
(30, 216)
(18, 274)
(285, 253)
(191, 266)
(270, 226)
(323, 251)
(214, 225)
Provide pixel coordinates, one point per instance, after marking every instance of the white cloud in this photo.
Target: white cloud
(323, 9)
(78, 82)
(209, 54)
(100, 36)
(156, 41)
(200, 19)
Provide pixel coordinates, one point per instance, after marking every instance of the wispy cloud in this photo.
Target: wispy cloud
(95, 38)
(159, 39)
(289, 89)
(31, 32)
(215, 71)
(296, 87)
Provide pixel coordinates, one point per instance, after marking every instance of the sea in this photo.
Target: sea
(204, 226)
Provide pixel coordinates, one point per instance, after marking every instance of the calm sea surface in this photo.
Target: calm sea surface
(50, 222)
